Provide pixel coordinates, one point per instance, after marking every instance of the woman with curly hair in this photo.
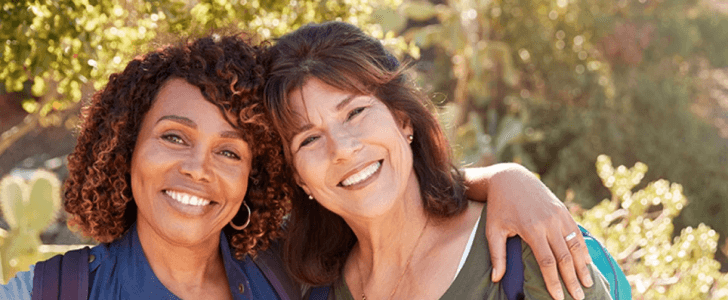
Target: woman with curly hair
(180, 176)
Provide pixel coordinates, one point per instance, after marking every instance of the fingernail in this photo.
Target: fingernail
(492, 275)
(579, 294)
(589, 282)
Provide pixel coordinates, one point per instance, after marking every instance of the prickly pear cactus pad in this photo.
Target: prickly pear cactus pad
(28, 207)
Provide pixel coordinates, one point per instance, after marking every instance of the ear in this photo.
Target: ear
(301, 184)
(405, 123)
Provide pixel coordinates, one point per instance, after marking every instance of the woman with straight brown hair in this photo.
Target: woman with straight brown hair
(381, 211)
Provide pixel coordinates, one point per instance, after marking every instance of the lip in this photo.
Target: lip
(185, 209)
(364, 182)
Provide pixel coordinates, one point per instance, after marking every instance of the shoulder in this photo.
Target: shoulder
(535, 287)
(458, 228)
(19, 287)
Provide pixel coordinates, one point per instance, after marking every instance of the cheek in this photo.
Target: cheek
(306, 169)
(236, 179)
(142, 164)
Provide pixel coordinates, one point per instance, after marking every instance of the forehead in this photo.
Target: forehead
(317, 95)
(180, 98)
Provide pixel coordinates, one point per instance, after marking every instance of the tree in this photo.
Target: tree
(553, 84)
(61, 51)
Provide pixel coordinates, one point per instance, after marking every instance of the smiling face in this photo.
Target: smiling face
(189, 168)
(352, 154)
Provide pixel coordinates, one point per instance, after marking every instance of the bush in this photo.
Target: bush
(637, 229)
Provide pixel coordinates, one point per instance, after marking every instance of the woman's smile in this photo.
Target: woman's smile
(187, 199)
(361, 178)
(187, 204)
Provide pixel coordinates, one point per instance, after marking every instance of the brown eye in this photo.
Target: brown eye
(230, 154)
(355, 112)
(309, 140)
(173, 138)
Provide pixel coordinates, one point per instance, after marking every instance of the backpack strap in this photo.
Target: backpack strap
(62, 277)
(619, 287)
(319, 293)
(512, 281)
(270, 263)
(46, 279)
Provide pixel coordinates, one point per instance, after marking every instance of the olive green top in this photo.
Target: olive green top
(473, 281)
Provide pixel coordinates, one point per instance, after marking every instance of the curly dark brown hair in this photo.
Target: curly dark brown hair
(228, 71)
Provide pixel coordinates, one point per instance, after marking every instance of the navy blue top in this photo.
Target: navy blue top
(120, 270)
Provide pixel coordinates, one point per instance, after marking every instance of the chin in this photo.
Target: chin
(190, 234)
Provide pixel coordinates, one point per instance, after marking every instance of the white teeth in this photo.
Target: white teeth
(187, 198)
(362, 175)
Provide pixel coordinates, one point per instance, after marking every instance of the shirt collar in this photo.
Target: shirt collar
(136, 280)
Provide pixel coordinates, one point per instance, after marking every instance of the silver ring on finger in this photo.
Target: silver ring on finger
(571, 236)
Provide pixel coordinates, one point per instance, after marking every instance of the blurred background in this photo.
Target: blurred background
(550, 84)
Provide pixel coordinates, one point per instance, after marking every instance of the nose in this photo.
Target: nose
(344, 145)
(196, 166)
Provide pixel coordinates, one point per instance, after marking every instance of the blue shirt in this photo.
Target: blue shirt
(120, 270)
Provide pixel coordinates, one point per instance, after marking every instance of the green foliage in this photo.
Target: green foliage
(72, 42)
(29, 207)
(484, 115)
(562, 81)
(636, 227)
(64, 50)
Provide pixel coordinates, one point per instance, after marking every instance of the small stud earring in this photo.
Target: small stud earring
(410, 138)
(310, 197)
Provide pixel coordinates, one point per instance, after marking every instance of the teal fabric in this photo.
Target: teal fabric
(619, 287)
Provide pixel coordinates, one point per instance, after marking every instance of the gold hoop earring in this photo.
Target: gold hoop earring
(236, 227)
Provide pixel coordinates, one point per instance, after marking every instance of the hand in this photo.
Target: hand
(520, 204)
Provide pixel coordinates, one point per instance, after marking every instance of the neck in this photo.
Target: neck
(190, 266)
(386, 245)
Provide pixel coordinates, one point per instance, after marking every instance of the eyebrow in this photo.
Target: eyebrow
(345, 101)
(339, 107)
(228, 134)
(179, 119)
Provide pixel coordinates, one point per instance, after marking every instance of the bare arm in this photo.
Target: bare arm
(520, 204)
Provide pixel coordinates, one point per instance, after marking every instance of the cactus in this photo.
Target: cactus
(28, 207)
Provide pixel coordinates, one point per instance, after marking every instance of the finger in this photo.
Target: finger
(566, 267)
(547, 264)
(580, 254)
(579, 251)
(497, 246)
